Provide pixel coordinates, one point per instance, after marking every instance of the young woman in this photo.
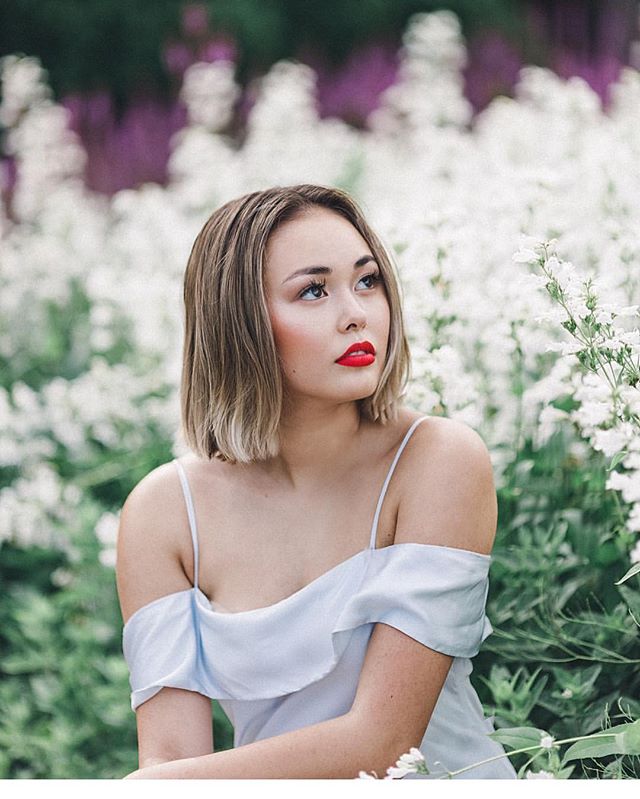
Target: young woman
(278, 567)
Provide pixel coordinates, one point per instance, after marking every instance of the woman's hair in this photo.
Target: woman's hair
(232, 391)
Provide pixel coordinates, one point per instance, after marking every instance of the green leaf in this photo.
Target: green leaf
(607, 554)
(632, 598)
(598, 746)
(616, 460)
(518, 737)
(635, 569)
(565, 773)
(623, 739)
(629, 740)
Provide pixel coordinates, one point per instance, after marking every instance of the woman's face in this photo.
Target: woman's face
(313, 325)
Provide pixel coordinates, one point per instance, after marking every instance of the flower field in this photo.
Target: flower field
(517, 241)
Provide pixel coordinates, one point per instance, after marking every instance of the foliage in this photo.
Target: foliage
(64, 688)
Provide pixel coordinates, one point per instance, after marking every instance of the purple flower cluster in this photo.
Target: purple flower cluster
(129, 149)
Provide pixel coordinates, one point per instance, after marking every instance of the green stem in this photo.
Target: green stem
(623, 517)
(451, 774)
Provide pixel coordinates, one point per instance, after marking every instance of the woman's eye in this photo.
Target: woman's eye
(374, 278)
(315, 284)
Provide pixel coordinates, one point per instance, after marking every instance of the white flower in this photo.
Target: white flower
(567, 693)
(565, 347)
(540, 775)
(108, 558)
(107, 528)
(628, 484)
(407, 764)
(526, 252)
(592, 413)
(397, 772)
(633, 520)
(61, 577)
(525, 256)
(546, 742)
(23, 86)
(533, 281)
(628, 310)
(603, 317)
(631, 337)
(413, 757)
(614, 440)
(529, 251)
(209, 92)
(576, 304)
(547, 421)
(634, 555)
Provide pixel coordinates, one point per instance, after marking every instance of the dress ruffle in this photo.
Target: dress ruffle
(435, 594)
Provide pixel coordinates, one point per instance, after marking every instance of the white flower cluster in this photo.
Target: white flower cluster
(48, 155)
(546, 741)
(37, 509)
(429, 89)
(608, 413)
(412, 762)
(539, 775)
(449, 196)
(209, 92)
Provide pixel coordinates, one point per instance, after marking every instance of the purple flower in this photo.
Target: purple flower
(492, 68)
(220, 48)
(353, 91)
(177, 57)
(195, 19)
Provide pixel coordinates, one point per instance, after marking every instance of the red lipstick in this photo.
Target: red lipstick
(362, 353)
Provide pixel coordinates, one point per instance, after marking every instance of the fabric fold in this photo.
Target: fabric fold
(433, 593)
(160, 648)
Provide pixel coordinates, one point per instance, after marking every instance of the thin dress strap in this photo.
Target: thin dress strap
(374, 528)
(192, 518)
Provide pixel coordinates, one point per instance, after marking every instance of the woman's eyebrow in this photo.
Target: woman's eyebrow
(326, 270)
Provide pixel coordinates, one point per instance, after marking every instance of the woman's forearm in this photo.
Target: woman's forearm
(333, 749)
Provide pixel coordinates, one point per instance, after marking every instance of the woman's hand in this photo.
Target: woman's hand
(143, 773)
(135, 775)
(169, 770)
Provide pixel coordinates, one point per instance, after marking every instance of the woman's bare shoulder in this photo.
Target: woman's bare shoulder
(156, 495)
(397, 429)
(447, 490)
(152, 526)
(438, 442)
(443, 432)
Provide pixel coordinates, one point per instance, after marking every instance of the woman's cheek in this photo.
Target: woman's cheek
(293, 335)
(301, 352)
(295, 343)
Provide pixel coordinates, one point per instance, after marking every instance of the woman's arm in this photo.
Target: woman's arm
(335, 749)
(174, 723)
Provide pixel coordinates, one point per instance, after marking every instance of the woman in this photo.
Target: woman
(244, 572)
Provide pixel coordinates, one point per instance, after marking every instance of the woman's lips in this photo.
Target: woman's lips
(357, 360)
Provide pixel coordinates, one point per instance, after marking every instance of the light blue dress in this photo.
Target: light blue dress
(297, 662)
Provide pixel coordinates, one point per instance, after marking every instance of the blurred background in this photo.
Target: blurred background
(403, 105)
(117, 66)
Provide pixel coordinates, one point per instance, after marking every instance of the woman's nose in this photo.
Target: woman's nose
(353, 312)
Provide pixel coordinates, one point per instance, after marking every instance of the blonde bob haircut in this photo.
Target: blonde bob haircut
(232, 390)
